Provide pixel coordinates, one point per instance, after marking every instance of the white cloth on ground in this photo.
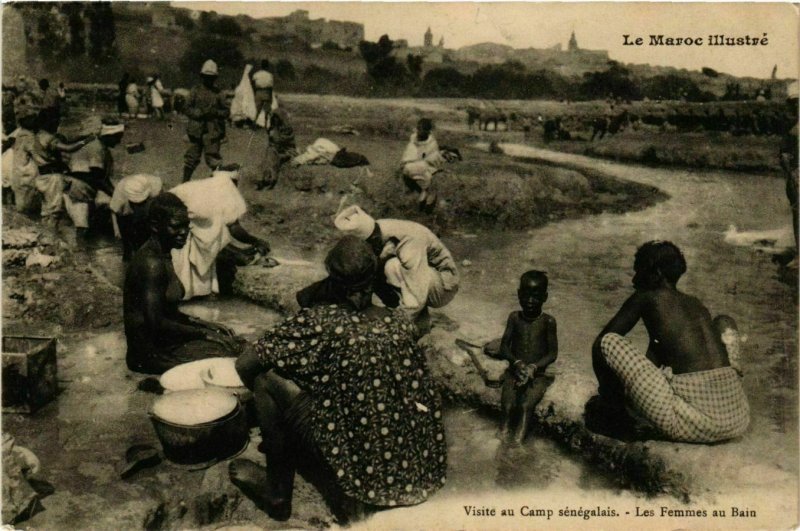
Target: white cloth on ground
(243, 106)
(213, 204)
(321, 151)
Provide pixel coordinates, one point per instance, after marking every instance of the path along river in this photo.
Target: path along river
(589, 262)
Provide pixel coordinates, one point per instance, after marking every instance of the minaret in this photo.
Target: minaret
(428, 38)
(573, 43)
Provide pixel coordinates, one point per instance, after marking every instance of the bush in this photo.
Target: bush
(223, 51)
(183, 20)
(284, 69)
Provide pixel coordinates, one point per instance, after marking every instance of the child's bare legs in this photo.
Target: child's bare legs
(508, 400)
(530, 396)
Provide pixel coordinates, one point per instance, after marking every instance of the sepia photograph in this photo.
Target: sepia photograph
(399, 265)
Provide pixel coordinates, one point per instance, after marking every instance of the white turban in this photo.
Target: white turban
(139, 187)
(106, 130)
(263, 79)
(353, 220)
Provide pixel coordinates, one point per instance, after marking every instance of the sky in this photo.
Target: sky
(596, 25)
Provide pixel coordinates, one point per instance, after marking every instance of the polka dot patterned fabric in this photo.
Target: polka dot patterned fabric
(377, 418)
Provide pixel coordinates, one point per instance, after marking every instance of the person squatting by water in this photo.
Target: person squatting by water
(158, 335)
(207, 113)
(684, 386)
(345, 387)
(421, 160)
(207, 263)
(415, 269)
(530, 344)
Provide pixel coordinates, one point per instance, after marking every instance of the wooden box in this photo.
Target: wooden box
(30, 377)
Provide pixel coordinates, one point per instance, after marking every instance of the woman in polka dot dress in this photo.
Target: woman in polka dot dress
(348, 382)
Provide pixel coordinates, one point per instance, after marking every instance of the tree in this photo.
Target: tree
(77, 32)
(612, 82)
(414, 64)
(382, 66)
(284, 69)
(222, 50)
(102, 32)
(183, 20)
(445, 82)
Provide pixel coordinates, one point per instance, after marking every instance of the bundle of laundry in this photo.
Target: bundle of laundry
(324, 151)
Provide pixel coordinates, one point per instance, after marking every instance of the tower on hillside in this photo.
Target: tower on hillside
(428, 38)
(441, 42)
(573, 43)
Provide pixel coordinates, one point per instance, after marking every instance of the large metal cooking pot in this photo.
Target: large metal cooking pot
(188, 437)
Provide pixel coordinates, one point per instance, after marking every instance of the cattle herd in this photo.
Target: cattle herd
(597, 119)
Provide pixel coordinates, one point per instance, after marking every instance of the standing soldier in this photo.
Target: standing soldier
(207, 113)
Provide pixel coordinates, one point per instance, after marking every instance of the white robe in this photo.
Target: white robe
(243, 106)
(213, 204)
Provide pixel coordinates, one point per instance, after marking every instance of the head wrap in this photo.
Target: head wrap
(351, 262)
(139, 187)
(209, 68)
(263, 79)
(352, 220)
(111, 129)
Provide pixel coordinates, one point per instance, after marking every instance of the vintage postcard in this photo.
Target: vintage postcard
(394, 265)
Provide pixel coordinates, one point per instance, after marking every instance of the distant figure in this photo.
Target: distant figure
(264, 94)
(280, 149)
(132, 99)
(420, 162)
(684, 386)
(122, 105)
(156, 98)
(207, 112)
(530, 344)
(50, 113)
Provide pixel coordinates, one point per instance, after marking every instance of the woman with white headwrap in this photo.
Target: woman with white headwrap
(215, 207)
(129, 206)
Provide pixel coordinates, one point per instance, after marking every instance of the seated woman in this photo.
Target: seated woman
(347, 385)
(683, 386)
(158, 335)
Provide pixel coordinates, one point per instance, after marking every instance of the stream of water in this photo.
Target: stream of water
(589, 262)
